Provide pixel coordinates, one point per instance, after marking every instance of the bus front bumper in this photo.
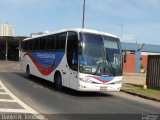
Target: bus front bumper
(84, 86)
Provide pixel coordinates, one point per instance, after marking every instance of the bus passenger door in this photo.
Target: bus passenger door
(72, 58)
(66, 74)
(74, 70)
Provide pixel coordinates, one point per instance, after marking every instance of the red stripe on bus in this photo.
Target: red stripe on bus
(44, 71)
(99, 79)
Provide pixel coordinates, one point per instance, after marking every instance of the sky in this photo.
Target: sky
(136, 21)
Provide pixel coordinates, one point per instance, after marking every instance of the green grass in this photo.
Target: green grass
(151, 92)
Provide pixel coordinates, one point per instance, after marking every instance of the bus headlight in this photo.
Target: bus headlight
(117, 82)
(86, 79)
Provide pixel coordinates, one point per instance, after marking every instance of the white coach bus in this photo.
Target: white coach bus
(80, 59)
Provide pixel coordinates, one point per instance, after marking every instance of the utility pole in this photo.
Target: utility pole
(83, 19)
(121, 25)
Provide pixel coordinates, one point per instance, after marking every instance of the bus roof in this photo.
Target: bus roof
(76, 30)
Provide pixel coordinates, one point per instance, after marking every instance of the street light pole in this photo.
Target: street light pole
(83, 19)
(121, 25)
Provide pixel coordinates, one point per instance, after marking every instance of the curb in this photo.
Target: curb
(142, 96)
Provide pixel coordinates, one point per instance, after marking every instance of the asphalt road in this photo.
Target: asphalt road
(42, 97)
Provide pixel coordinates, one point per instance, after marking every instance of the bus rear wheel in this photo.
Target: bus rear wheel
(28, 75)
(58, 82)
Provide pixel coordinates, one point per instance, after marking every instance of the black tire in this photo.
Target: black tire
(58, 82)
(28, 75)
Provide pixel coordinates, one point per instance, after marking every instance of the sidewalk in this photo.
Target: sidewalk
(133, 84)
(9, 66)
(134, 78)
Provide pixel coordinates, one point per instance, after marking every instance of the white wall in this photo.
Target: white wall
(149, 53)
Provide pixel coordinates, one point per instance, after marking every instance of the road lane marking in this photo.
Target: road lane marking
(7, 100)
(13, 110)
(3, 93)
(30, 110)
(27, 109)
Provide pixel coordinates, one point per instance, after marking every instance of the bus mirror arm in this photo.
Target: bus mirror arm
(79, 47)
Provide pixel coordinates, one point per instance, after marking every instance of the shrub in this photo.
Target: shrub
(142, 66)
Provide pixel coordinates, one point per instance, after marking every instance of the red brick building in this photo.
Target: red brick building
(135, 56)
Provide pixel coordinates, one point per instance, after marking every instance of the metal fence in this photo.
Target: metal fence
(153, 71)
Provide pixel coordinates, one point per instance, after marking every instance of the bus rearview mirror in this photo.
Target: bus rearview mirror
(79, 47)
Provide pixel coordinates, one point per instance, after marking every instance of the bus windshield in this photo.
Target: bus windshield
(101, 55)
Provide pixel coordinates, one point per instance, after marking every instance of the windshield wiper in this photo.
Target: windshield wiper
(99, 67)
(110, 65)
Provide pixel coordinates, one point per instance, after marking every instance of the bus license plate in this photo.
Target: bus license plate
(103, 88)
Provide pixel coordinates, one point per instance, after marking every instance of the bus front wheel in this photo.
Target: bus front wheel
(58, 82)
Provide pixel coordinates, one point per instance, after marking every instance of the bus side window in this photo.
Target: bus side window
(61, 41)
(42, 43)
(29, 45)
(72, 50)
(47, 47)
(24, 45)
(36, 44)
(50, 45)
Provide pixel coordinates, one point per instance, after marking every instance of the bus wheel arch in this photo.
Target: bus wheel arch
(58, 80)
